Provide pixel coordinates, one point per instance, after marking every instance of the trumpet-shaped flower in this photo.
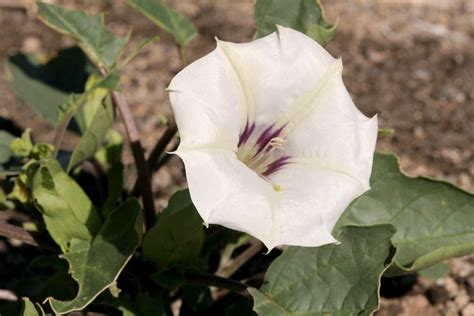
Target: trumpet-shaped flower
(271, 141)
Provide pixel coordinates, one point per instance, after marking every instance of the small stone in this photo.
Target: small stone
(461, 300)
(450, 309)
(468, 310)
(418, 305)
(31, 44)
(437, 295)
(420, 133)
(451, 286)
(465, 180)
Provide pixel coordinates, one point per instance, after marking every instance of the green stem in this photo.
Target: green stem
(255, 247)
(156, 153)
(195, 278)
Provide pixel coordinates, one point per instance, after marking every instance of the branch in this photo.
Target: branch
(137, 149)
(255, 247)
(195, 278)
(154, 158)
(18, 233)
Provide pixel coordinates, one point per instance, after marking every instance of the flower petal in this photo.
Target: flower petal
(335, 133)
(207, 104)
(227, 192)
(312, 198)
(276, 70)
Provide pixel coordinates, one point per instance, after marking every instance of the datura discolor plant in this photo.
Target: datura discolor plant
(271, 140)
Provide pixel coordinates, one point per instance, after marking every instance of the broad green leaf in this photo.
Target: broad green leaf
(168, 19)
(96, 265)
(178, 235)
(98, 113)
(434, 220)
(67, 211)
(102, 47)
(29, 309)
(46, 84)
(333, 279)
(306, 16)
(5, 150)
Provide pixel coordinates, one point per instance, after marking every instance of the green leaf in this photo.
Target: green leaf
(111, 153)
(5, 150)
(114, 188)
(97, 265)
(98, 113)
(330, 280)
(102, 47)
(29, 309)
(67, 211)
(46, 84)
(178, 235)
(168, 19)
(22, 146)
(306, 16)
(435, 272)
(434, 220)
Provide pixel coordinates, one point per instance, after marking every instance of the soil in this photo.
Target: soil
(410, 62)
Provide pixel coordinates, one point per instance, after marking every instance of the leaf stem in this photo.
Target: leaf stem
(18, 233)
(196, 278)
(226, 271)
(156, 153)
(144, 179)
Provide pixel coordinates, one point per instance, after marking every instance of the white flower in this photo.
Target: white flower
(271, 141)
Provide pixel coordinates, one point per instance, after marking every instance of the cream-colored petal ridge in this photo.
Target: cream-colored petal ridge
(276, 70)
(335, 133)
(311, 200)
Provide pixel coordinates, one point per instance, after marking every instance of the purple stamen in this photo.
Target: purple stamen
(244, 136)
(276, 165)
(266, 136)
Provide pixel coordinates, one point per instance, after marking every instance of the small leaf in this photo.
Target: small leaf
(29, 309)
(97, 265)
(168, 19)
(98, 113)
(102, 47)
(434, 219)
(67, 211)
(22, 146)
(306, 16)
(46, 84)
(5, 151)
(178, 235)
(333, 279)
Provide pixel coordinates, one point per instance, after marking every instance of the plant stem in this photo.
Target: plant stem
(156, 153)
(144, 178)
(255, 247)
(194, 278)
(18, 233)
